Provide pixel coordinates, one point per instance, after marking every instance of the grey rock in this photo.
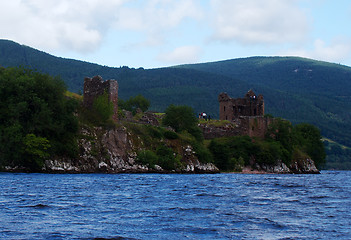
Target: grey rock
(113, 151)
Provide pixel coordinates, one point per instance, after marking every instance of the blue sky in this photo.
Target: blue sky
(158, 33)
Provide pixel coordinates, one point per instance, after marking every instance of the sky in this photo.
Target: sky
(160, 33)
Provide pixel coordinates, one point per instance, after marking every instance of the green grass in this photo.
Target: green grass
(216, 123)
(74, 95)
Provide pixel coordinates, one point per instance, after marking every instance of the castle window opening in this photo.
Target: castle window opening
(249, 105)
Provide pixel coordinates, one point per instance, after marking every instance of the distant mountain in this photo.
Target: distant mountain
(299, 89)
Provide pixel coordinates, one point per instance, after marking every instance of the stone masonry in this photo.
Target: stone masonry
(245, 116)
(95, 87)
(243, 125)
(232, 108)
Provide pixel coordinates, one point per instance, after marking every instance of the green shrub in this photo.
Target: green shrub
(34, 109)
(308, 139)
(197, 133)
(202, 153)
(170, 135)
(167, 159)
(221, 154)
(36, 151)
(147, 157)
(102, 108)
(164, 157)
(237, 164)
(182, 118)
(242, 146)
(133, 103)
(153, 132)
(269, 153)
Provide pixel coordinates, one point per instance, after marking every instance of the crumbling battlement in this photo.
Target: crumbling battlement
(232, 108)
(245, 116)
(95, 87)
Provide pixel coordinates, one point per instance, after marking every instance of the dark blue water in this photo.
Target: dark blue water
(152, 206)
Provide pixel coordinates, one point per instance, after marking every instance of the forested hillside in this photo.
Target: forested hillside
(298, 89)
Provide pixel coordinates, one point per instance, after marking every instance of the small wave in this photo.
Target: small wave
(274, 223)
(318, 197)
(252, 183)
(193, 230)
(114, 238)
(39, 206)
(194, 209)
(292, 185)
(207, 195)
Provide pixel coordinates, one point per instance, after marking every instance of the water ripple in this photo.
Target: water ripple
(153, 206)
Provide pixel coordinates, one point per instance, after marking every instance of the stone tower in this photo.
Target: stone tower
(95, 87)
(232, 108)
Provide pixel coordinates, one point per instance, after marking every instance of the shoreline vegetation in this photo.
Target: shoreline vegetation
(297, 89)
(44, 128)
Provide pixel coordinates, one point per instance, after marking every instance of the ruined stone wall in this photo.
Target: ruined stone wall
(232, 108)
(113, 97)
(251, 126)
(95, 87)
(225, 107)
(232, 128)
(258, 126)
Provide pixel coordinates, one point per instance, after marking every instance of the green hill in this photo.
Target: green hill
(298, 89)
(311, 91)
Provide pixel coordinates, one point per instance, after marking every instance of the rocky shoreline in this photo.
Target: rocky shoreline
(115, 150)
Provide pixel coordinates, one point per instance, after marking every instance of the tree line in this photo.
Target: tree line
(38, 122)
(36, 119)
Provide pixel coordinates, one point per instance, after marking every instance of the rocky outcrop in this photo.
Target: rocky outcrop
(149, 118)
(113, 151)
(302, 166)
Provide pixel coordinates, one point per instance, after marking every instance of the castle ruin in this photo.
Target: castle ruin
(95, 87)
(246, 116)
(232, 108)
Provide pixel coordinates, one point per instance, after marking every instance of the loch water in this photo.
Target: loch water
(175, 206)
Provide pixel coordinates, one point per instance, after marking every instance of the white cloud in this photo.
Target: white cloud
(155, 18)
(184, 54)
(48, 24)
(81, 25)
(157, 14)
(257, 21)
(337, 51)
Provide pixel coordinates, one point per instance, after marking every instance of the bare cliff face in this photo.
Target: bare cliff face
(115, 151)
